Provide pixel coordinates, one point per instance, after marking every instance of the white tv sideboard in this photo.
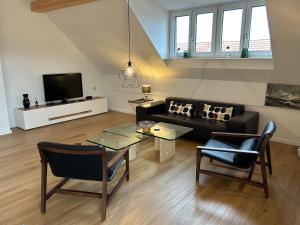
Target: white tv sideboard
(50, 114)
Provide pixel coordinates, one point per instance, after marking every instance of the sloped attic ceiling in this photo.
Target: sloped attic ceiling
(99, 30)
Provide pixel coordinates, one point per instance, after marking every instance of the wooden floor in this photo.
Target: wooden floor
(157, 194)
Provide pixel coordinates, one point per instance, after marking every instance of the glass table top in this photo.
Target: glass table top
(115, 141)
(166, 131)
(124, 135)
(126, 129)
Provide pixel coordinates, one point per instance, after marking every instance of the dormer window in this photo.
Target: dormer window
(222, 31)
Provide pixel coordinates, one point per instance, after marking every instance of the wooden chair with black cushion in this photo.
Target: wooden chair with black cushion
(243, 157)
(81, 162)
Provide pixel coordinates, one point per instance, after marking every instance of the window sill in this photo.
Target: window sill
(221, 63)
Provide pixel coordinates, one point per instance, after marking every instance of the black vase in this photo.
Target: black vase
(26, 101)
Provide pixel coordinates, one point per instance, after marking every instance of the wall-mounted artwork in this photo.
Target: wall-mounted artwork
(283, 95)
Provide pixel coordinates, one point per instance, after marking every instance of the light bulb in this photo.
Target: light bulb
(129, 72)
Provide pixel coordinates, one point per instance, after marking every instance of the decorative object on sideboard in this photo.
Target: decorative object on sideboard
(283, 95)
(146, 89)
(131, 75)
(146, 125)
(26, 102)
(36, 103)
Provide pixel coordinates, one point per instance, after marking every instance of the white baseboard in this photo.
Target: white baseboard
(122, 110)
(4, 132)
(286, 141)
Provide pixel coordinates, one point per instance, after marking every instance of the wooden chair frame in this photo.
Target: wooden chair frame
(106, 198)
(264, 148)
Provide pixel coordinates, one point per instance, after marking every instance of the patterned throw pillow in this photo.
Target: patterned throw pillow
(217, 113)
(182, 109)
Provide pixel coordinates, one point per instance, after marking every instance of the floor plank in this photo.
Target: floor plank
(157, 193)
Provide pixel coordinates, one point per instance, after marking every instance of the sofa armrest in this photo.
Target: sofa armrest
(154, 107)
(243, 123)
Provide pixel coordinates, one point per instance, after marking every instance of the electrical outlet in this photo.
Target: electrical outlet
(94, 88)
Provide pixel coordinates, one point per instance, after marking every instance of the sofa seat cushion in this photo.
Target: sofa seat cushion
(196, 123)
(171, 118)
(211, 125)
(225, 157)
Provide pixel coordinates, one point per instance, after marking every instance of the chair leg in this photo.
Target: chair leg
(198, 164)
(127, 165)
(264, 174)
(269, 158)
(251, 173)
(43, 186)
(104, 200)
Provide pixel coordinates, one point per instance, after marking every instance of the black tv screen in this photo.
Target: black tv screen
(62, 86)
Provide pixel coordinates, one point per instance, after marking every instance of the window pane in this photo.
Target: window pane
(182, 33)
(259, 33)
(204, 32)
(232, 27)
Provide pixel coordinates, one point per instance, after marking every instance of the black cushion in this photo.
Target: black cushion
(84, 167)
(196, 123)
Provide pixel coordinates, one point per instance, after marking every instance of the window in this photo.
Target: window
(231, 30)
(222, 30)
(204, 32)
(259, 40)
(182, 33)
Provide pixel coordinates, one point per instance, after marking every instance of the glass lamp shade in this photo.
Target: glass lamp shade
(146, 89)
(129, 72)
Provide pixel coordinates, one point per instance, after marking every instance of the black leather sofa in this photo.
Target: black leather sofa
(241, 122)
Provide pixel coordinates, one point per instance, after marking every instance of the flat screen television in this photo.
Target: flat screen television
(62, 86)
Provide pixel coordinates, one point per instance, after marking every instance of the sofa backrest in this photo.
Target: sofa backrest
(199, 105)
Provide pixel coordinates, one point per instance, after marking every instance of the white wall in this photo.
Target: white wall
(4, 122)
(155, 22)
(251, 94)
(31, 46)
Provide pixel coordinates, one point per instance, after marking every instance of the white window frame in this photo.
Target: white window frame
(196, 12)
(255, 54)
(221, 9)
(174, 15)
(218, 11)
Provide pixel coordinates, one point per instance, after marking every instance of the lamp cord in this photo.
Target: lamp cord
(129, 31)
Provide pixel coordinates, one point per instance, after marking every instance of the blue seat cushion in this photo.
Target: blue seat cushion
(225, 157)
(240, 160)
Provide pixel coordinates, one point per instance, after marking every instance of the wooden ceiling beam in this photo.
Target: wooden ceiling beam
(48, 5)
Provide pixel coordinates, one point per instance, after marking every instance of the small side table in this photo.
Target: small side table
(140, 101)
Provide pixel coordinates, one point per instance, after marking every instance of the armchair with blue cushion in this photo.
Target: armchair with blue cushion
(243, 157)
(84, 162)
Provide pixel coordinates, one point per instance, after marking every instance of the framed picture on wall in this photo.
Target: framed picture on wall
(283, 95)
